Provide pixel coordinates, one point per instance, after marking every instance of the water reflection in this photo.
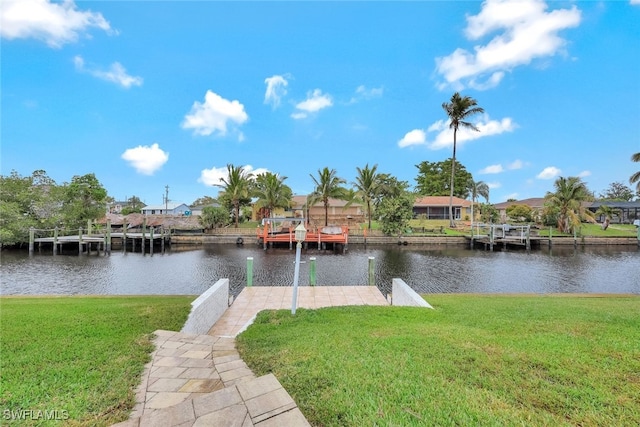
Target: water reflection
(427, 269)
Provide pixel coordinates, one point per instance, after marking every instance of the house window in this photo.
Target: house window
(456, 213)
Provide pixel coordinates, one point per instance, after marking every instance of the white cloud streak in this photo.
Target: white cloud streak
(53, 23)
(585, 174)
(276, 90)
(516, 164)
(364, 94)
(526, 31)
(145, 159)
(115, 74)
(315, 102)
(444, 136)
(214, 115)
(549, 172)
(492, 169)
(213, 177)
(413, 137)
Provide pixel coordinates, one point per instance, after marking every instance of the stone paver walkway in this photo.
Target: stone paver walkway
(255, 299)
(200, 380)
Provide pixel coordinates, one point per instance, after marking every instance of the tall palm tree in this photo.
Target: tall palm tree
(236, 188)
(459, 110)
(328, 184)
(567, 202)
(476, 189)
(635, 178)
(367, 186)
(272, 192)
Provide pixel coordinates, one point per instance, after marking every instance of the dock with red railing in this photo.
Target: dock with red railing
(270, 234)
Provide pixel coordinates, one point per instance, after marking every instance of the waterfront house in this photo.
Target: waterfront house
(437, 207)
(535, 203)
(624, 212)
(167, 209)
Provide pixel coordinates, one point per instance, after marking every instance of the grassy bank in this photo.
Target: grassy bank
(474, 360)
(80, 357)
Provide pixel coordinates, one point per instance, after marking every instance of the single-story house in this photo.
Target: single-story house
(167, 209)
(197, 210)
(535, 203)
(625, 212)
(337, 211)
(437, 207)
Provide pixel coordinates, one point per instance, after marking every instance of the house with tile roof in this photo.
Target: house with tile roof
(535, 203)
(437, 207)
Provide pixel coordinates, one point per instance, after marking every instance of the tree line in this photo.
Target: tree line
(37, 201)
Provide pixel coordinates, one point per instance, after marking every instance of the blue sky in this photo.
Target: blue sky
(148, 94)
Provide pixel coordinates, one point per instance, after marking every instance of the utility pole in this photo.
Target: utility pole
(166, 199)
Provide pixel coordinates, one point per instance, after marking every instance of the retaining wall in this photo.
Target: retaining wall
(403, 295)
(208, 308)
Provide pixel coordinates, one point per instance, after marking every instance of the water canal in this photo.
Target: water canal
(427, 269)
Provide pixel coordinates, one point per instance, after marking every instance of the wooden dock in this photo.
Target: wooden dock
(337, 237)
(99, 241)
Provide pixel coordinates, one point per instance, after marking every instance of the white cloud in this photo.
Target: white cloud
(116, 73)
(212, 177)
(53, 23)
(526, 31)
(146, 160)
(491, 169)
(585, 174)
(276, 89)
(493, 185)
(635, 2)
(315, 101)
(516, 164)
(549, 172)
(414, 137)
(512, 196)
(363, 93)
(213, 115)
(486, 127)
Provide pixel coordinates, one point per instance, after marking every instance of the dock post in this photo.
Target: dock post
(151, 241)
(124, 236)
(491, 232)
(249, 271)
(80, 241)
(32, 236)
(312, 271)
(144, 229)
(575, 238)
(55, 241)
(372, 271)
(528, 237)
(162, 240)
(108, 249)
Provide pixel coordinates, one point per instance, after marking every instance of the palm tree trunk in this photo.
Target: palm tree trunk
(369, 212)
(453, 168)
(237, 214)
(326, 213)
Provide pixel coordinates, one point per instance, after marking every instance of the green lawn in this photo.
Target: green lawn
(474, 360)
(595, 230)
(79, 356)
